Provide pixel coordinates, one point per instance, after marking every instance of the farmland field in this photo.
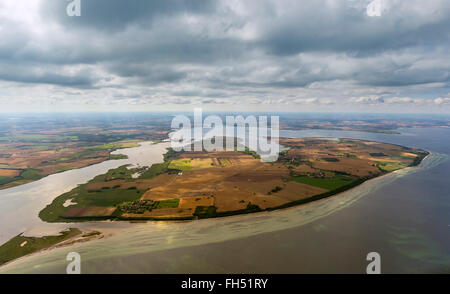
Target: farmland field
(38, 151)
(329, 183)
(189, 185)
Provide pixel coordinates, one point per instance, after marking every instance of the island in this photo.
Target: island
(197, 185)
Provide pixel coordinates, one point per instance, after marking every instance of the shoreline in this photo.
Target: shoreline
(75, 240)
(250, 210)
(293, 204)
(106, 233)
(61, 171)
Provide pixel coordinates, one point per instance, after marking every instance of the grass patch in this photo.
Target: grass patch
(170, 203)
(117, 156)
(205, 212)
(170, 154)
(211, 211)
(107, 197)
(25, 176)
(65, 168)
(180, 164)
(391, 166)
(31, 174)
(120, 173)
(154, 170)
(5, 180)
(83, 198)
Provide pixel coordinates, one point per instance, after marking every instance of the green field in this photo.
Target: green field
(109, 197)
(31, 174)
(155, 170)
(331, 183)
(117, 156)
(5, 180)
(83, 198)
(391, 166)
(170, 203)
(120, 173)
(25, 176)
(12, 249)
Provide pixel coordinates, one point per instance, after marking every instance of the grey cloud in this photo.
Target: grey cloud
(254, 52)
(37, 75)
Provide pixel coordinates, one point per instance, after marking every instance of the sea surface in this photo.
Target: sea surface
(404, 216)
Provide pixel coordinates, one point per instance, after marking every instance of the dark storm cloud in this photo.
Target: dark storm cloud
(50, 78)
(219, 49)
(313, 27)
(40, 75)
(146, 73)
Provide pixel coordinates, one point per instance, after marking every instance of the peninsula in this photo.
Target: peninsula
(196, 185)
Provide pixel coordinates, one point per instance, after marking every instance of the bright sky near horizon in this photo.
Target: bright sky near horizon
(255, 55)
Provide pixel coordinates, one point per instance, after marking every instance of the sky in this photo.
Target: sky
(252, 55)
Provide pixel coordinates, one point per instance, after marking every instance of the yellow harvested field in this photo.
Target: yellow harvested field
(262, 187)
(191, 183)
(199, 163)
(293, 191)
(304, 168)
(358, 167)
(407, 154)
(236, 199)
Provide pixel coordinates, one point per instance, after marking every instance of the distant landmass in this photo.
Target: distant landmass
(195, 185)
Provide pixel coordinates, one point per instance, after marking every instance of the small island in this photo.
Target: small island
(196, 185)
(21, 245)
